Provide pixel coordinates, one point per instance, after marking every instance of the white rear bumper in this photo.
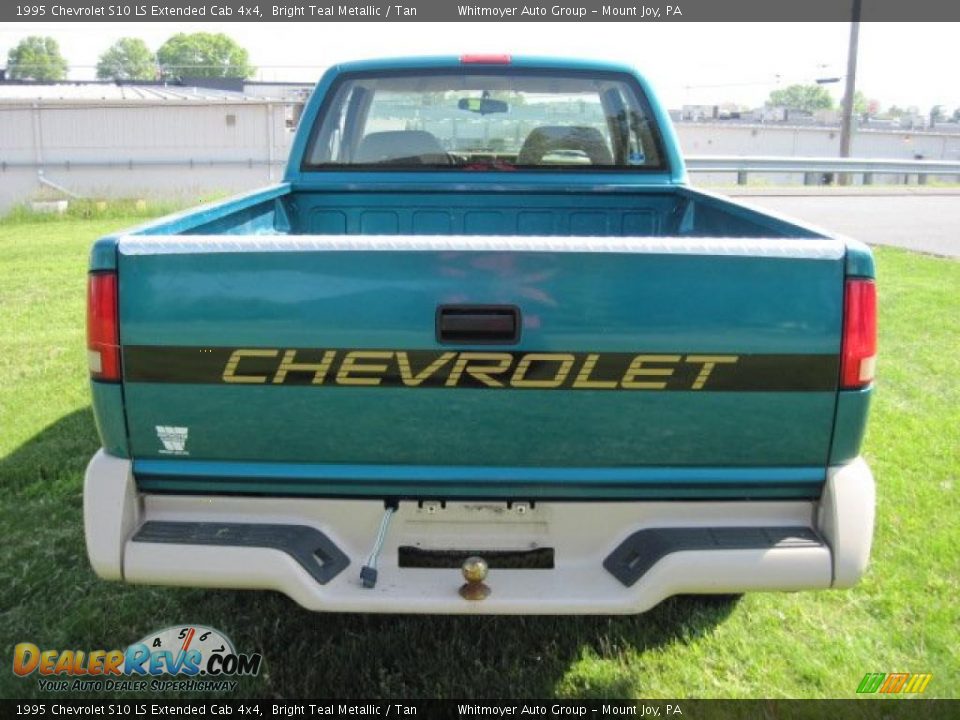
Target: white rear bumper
(581, 534)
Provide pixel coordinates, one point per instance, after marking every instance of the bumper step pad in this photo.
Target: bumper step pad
(313, 550)
(644, 548)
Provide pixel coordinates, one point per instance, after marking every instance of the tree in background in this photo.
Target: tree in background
(127, 59)
(865, 107)
(937, 113)
(860, 103)
(36, 58)
(802, 97)
(203, 55)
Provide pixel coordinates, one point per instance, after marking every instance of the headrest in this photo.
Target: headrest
(416, 146)
(550, 138)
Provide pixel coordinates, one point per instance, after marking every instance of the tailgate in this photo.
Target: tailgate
(286, 355)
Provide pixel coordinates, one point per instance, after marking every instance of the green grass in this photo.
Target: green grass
(124, 210)
(903, 617)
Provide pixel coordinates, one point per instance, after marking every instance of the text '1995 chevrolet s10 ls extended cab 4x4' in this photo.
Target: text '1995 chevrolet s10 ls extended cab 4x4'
(484, 315)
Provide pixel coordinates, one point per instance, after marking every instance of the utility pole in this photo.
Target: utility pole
(846, 125)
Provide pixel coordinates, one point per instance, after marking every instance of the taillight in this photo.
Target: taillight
(485, 59)
(103, 332)
(859, 354)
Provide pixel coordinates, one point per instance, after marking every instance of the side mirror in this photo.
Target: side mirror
(484, 106)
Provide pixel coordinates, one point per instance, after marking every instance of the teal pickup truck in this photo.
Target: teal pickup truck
(484, 325)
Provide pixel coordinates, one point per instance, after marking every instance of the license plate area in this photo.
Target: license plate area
(410, 556)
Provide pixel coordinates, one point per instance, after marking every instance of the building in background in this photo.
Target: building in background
(178, 141)
(203, 137)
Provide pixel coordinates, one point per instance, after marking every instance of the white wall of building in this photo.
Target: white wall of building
(174, 149)
(170, 150)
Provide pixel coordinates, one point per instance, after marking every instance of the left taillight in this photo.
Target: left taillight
(859, 351)
(103, 330)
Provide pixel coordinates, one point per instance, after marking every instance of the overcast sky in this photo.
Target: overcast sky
(900, 63)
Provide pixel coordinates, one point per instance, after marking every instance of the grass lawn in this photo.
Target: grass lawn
(903, 617)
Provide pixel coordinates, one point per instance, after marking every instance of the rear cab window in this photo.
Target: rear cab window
(520, 119)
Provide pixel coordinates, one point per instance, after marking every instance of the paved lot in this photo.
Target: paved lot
(928, 223)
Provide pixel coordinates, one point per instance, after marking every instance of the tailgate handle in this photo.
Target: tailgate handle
(478, 324)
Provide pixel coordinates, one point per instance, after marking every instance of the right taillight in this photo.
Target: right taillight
(859, 353)
(103, 332)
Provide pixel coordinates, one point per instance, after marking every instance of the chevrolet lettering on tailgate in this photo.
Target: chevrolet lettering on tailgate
(536, 370)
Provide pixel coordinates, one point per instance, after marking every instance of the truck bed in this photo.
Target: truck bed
(628, 212)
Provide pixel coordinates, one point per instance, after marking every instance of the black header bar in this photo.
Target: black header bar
(56, 705)
(478, 11)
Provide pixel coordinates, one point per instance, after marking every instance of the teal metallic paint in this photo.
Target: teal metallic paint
(587, 445)
(853, 407)
(589, 302)
(644, 211)
(573, 483)
(859, 260)
(103, 255)
(190, 220)
(480, 210)
(524, 427)
(278, 210)
(108, 414)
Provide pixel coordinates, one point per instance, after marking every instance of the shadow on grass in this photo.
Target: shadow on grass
(56, 600)
(466, 657)
(52, 456)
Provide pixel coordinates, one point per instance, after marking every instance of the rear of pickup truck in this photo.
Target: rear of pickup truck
(560, 358)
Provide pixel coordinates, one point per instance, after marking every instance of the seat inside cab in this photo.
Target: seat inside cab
(565, 145)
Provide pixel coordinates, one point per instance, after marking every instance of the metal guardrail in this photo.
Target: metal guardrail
(814, 168)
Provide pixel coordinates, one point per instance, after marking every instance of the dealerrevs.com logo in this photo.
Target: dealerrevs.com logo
(185, 657)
